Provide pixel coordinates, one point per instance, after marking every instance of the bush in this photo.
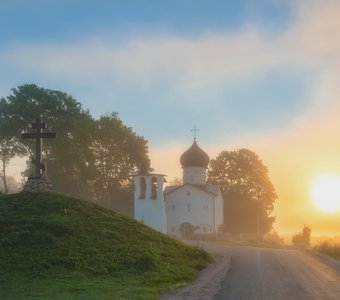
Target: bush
(302, 240)
(273, 237)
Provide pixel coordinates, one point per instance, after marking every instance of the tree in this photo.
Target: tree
(90, 159)
(9, 148)
(10, 145)
(176, 181)
(302, 239)
(273, 237)
(119, 154)
(70, 159)
(249, 195)
(12, 185)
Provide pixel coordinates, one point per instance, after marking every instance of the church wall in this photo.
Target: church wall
(219, 210)
(194, 175)
(149, 201)
(152, 213)
(190, 205)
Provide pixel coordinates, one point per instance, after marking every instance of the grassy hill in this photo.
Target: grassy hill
(55, 247)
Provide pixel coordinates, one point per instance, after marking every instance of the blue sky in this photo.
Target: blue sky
(262, 75)
(64, 20)
(236, 104)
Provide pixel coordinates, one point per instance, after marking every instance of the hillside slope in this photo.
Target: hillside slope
(45, 237)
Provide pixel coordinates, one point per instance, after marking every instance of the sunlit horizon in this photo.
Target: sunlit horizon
(261, 76)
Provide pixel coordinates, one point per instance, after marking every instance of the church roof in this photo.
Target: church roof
(208, 188)
(194, 157)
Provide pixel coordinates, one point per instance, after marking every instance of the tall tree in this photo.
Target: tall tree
(10, 145)
(9, 148)
(70, 159)
(248, 192)
(119, 154)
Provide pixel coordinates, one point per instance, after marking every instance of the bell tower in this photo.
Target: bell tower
(149, 201)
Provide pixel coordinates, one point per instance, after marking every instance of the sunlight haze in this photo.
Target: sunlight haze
(261, 76)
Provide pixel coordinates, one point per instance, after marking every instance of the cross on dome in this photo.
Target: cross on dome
(195, 129)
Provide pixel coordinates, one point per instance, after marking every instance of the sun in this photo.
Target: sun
(325, 192)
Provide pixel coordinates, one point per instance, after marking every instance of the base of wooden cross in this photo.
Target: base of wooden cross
(38, 185)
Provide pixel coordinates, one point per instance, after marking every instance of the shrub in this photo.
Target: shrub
(302, 240)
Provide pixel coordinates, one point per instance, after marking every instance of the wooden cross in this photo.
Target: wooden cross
(195, 129)
(38, 135)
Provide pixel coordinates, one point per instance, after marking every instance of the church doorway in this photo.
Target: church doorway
(187, 230)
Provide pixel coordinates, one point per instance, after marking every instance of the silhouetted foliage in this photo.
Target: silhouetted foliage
(249, 195)
(90, 159)
(302, 239)
(273, 237)
(119, 154)
(176, 181)
(10, 145)
(70, 160)
(329, 248)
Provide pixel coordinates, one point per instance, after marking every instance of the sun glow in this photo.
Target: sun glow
(325, 193)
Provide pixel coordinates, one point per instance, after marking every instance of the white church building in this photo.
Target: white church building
(194, 208)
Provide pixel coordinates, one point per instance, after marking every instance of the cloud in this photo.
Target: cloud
(200, 65)
(311, 42)
(197, 63)
(205, 59)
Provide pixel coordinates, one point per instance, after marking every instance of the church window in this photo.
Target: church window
(173, 207)
(142, 188)
(188, 207)
(188, 193)
(154, 188)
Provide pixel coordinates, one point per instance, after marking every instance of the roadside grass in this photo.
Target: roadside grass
(56, 247)
(88, 288)
(253, 243)
(328, 248)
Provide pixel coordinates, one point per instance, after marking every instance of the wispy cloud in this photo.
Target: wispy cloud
(199, 67)
(311, 42)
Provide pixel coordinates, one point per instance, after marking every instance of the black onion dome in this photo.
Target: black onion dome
(194, 157)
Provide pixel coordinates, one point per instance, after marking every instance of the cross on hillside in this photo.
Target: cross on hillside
(38, 135)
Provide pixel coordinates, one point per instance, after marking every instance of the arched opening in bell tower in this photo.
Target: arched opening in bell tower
(142, 188)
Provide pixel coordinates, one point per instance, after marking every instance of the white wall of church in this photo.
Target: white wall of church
(191, 205)
(218, 210)
(152, 213)
(149, 201)
(194, 175)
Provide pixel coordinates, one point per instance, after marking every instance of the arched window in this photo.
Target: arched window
(154, 188)
(142, 188)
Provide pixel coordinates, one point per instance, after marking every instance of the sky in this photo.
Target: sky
(262, 75)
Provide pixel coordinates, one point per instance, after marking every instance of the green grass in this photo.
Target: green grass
(252, 243)
(55, 247)
(330, 249)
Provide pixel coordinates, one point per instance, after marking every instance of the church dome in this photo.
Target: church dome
(194, 157)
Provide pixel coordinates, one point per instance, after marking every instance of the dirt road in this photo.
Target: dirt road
(246, 273)
(267, 274)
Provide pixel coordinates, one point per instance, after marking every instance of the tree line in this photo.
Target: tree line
(248, 193)
(91, 158)
(95, 159)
